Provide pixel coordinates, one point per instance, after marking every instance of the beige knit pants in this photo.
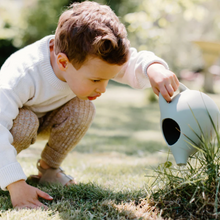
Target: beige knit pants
(64, 127)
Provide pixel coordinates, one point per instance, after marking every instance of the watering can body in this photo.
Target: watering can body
(185, 119)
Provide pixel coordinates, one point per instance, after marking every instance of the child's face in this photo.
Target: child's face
(90, 81)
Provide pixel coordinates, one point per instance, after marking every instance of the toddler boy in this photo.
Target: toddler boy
(47, 87)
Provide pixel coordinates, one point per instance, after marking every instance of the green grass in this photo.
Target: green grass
(110, 164)
(192, 191)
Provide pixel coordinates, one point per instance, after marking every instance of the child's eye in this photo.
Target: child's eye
(96, 80)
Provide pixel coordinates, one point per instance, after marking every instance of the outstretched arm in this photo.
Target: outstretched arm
(145, 69)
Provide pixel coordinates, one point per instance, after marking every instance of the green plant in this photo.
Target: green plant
(191, 191)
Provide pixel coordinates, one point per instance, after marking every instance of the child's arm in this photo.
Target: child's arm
(12, 176)
(145, 69)
(162, 80)
(26, 196)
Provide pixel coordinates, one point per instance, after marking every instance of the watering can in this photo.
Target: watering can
(185, 119)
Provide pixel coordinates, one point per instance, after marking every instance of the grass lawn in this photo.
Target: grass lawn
(110, 164)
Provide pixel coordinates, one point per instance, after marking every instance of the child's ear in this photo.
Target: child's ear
(62, 61)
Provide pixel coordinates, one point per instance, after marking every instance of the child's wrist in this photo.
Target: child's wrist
(13, 185)
(154, 67)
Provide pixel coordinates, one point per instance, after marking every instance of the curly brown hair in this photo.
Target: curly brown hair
(90, 29)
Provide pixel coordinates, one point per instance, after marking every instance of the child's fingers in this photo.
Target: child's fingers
(156, 91)
(172, 85)
(165, 94)
(175, 83)
(31, 206)
(38, 204)
(170, 89)
(44, 195)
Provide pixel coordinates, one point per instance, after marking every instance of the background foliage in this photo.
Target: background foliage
(165, 27)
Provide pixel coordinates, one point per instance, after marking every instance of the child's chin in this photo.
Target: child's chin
(82, 98)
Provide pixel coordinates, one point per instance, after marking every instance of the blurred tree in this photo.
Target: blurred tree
(165, 27)
(41, 19)
(9, 19)
(120, 7)
(6, 49)
(168, 27)
(41, 16)
(9, 22)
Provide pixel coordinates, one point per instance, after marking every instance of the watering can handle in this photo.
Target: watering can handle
(182, 87)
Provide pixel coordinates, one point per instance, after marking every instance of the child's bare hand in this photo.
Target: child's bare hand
(162, 80)
(26, 196)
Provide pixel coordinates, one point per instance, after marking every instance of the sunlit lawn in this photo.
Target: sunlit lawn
(110, 163)
(123, 141)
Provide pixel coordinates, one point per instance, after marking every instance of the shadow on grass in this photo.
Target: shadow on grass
(129, 133)
(89, 201)
(123, 145)
(129, 117)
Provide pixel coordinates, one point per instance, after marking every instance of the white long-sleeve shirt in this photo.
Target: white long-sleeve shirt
(27, 79)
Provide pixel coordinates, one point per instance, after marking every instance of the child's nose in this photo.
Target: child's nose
(102, 88)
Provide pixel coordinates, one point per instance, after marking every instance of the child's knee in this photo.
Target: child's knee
(24, 130)
(82, 110)
(77, 115)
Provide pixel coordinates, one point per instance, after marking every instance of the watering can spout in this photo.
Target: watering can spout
(180, 155)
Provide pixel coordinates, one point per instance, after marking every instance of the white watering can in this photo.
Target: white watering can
(180, 118)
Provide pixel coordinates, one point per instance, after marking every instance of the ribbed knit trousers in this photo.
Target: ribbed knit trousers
(63, 128)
